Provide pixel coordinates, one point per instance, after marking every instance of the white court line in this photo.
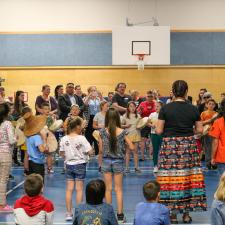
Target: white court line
(14, 188)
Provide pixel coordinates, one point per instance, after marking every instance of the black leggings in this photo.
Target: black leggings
(88, 134)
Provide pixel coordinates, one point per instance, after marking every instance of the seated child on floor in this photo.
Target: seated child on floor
(151, 212)
(218, 205)
(33, 208)
(95, 211)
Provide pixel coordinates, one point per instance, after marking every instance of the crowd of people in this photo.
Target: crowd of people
(176, 133)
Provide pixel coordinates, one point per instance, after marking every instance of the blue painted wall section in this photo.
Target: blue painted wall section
(56, 49)
(187, 48)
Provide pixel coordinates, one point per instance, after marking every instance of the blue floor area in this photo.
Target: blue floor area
(55, 191)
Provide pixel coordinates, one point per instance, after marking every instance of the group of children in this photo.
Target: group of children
(119, 137)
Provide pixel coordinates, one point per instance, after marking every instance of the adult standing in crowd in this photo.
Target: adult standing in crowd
(180, 175)
(58, 91)
(67, 100)
(46, 98)
(19, 104)
(92, 103)
(109, 97)
(145, 109)
(202, 107)
(201, 100)
(135, 97)
(3, 98)
(7, 140)
(78, 91)
(120, 99)
(2, 94)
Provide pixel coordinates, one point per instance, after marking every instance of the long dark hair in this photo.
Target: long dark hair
(128, 111)
(4, 111)
(56, 90)
(112, 121)
(17, 102)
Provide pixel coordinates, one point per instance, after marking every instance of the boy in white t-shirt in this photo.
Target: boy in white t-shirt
(76, 150)
(156, 139)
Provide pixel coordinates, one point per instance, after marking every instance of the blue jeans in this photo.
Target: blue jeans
(76, 172)
(221, 168)
(110, 165)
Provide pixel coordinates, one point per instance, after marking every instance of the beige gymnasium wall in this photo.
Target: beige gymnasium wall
(31, 79)
(43, 16)
(70, 15)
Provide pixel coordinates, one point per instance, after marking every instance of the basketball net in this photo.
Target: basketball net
(140, 62)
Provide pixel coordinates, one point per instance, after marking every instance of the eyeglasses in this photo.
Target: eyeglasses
(207, 97)
(149, 96)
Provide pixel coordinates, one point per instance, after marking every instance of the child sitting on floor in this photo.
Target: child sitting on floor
(218, 205)
(33, 208)
(151, 212)
(95, 211)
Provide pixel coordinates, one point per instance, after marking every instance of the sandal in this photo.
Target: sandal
(187, 219)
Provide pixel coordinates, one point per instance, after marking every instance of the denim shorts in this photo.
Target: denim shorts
(76, 172)
(110, 165)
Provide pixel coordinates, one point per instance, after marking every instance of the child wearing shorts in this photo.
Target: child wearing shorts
(112, 150)
(76, 150)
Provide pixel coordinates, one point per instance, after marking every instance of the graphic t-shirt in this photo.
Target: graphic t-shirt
(76, 149)
(102, 214)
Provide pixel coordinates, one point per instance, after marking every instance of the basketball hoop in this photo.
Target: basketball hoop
(140, 61)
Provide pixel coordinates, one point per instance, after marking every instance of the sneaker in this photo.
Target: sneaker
(6, 209)
(69, 216)
(99, 169)
(121, 218)
(141, 160)
(127, 170)
(155, 170)
(137, 170)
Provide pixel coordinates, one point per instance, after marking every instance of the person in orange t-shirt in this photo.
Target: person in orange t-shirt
(217, 131)
(206, 118)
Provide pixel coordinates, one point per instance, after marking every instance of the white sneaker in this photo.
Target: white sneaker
(155, 170)
(69, 216)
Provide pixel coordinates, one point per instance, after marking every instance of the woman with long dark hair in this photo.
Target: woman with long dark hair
(112, 149)
(58, 91)
(19, 104)
(180, 175)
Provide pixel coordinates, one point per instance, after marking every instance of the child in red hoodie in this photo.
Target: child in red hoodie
(33, 208)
